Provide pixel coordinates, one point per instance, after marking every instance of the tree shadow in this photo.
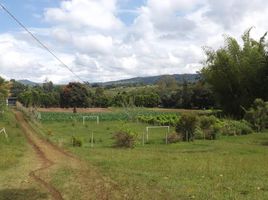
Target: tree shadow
(22, 194)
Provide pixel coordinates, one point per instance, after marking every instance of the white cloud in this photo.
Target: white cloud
(80, 13)
(164, 37)
(93, 44)
(21, 60)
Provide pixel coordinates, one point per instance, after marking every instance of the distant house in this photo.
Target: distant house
(11, 101)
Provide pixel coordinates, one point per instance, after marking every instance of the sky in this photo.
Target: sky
(105, 40)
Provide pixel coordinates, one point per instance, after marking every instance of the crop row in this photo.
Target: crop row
(160, 119)
(60, 117)
(111, 116)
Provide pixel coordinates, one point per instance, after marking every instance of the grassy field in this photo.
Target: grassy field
(16, 161)
(229, 168)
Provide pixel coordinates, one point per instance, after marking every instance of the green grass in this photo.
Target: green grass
(62, 133)
(16, 161)
(11, 150)
(229, 168)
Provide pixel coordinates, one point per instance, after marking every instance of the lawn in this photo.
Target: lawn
(16, 161)
(229, 168)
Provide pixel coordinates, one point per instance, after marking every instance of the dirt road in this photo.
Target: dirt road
(84, 180)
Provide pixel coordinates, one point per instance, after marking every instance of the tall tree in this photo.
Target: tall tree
(17, 88)
(237, 74)
(48, 86)
(202, 96)
(75, 95)
(186, 95)
(167, 83)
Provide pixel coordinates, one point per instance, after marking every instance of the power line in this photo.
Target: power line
(40, 43)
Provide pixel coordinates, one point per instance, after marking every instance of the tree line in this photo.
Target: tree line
(166, 93)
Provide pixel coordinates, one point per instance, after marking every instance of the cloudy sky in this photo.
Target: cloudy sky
(103, 40)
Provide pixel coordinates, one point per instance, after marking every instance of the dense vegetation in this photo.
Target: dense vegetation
(238, 74)
(117, 114)
(166, 93)
(4, 86)
(160, 119)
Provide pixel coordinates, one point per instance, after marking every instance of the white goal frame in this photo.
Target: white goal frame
(91, 117)
(3, 130)
(156, 127)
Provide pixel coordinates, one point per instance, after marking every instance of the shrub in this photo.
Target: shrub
(199, 133)
(125, 138)
(76, 142)
(257, 115)
(206, 122)
(173, 138)
(49, 133)
(208, 128)
(186, 126)
(232, 127)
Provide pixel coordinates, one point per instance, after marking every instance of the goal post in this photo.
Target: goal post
(91, 117)
(3, 131)
(156, 127)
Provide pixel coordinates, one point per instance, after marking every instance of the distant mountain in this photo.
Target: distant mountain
(150, 80)
(27, 82)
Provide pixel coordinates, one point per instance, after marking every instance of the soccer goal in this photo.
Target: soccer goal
(3, 131)
(91, 117)
(156, 127)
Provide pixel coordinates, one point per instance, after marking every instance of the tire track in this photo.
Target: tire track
(46, 163)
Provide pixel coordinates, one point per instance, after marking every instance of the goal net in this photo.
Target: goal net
(148, 128)
(90, 118)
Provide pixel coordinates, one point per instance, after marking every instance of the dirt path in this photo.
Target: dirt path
(90, 183)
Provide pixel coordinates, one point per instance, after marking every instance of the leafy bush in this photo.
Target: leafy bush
(49, 133)
(186, 126)
(125, 138)
(206, 122)
(76, 142)
(199, 133)
(257, 115)
(208, 128)
(173, 138)
(232, 127)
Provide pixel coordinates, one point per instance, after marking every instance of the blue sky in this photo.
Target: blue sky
(104, 40)
(30, 12)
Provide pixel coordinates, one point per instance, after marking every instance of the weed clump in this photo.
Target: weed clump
(208, 128)
(173, 138)
(50, 133)
(257, 115)
(233, 128)
(125, 138)
(76, 142)
(186, 126)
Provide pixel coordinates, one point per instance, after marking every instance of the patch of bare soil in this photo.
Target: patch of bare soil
(91, 184)
(79, 110)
